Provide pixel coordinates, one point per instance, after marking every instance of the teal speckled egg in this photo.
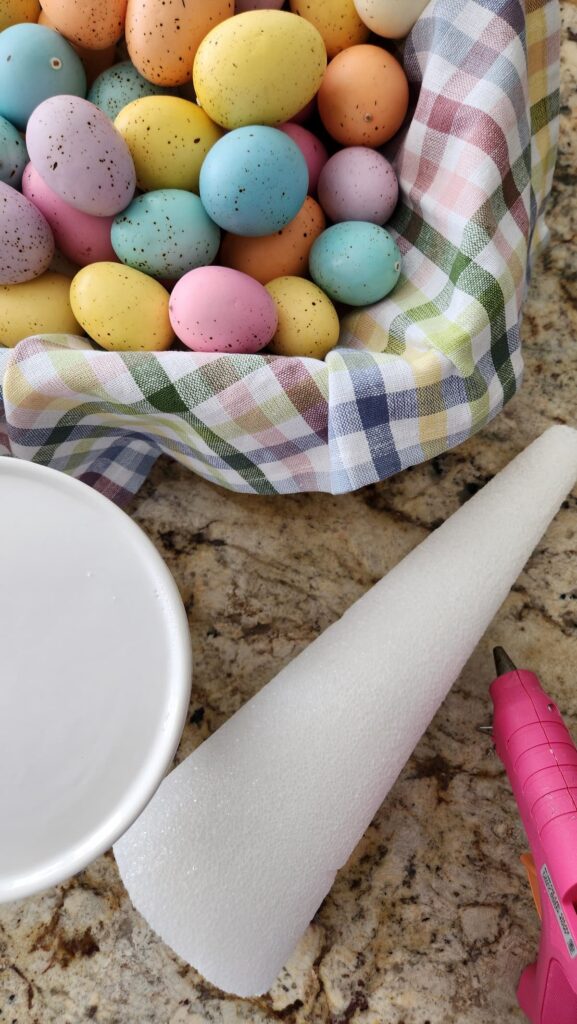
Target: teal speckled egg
(35, 64)
(165, 233)
(118, 86)
(13, 154)
(355, 262)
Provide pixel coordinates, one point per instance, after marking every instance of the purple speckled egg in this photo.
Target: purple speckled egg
(81, 156)
(27, 245)
(358, 184)
(311, 148)
(216, 309)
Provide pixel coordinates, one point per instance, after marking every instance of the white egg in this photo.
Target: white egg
(392, 19)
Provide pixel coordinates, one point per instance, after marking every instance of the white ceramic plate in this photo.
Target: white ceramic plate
(95, 673)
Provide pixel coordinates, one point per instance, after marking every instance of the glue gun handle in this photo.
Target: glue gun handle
(544, 993)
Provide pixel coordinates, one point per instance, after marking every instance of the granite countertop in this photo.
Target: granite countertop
(431, 921)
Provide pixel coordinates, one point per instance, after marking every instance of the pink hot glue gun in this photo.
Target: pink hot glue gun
(541, 761)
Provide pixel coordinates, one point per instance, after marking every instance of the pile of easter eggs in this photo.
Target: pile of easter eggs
(181, 171)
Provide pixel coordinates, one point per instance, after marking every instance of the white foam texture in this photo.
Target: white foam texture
(241, 843)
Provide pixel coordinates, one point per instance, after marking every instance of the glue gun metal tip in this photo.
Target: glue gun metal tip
(503, 663)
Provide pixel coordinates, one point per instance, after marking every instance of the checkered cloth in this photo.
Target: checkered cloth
(414, 374)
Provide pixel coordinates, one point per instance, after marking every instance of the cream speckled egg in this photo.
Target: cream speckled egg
(94, 24)
(163, 35)
(41, 306)
(308, 324)
(392, 19)
(26, 242)
(168, 138)
(121, 308)
(337, 21)
(260, 68)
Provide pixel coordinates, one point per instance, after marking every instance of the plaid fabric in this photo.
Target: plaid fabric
(414, 374)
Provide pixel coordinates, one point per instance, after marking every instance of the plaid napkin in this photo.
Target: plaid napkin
(414, 374)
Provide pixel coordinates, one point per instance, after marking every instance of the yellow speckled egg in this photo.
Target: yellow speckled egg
(260, 67)
(121, 308)
(41, 306)
(12, 12)
(168, 138)
(337, 21)
(308, 324)
(163, 35)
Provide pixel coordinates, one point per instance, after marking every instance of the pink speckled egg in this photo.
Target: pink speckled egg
(216, 309)
(27, 245)
(79, 236)
(81, 156)
(311, 148)
(358, 184)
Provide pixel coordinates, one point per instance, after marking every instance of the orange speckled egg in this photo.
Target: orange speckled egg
(337, 21)
(163, 35)
(364, 96)
(94, 24)
(12, 12)
(286, 253)
(94, 61)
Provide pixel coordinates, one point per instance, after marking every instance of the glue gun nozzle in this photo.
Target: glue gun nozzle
(503, 663)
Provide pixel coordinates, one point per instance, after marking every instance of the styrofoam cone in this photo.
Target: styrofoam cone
(242, 841)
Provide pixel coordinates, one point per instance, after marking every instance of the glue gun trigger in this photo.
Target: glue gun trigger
(529, 865)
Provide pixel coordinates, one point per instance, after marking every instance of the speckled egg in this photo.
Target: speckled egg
(355, 262)
(358, 184)
(169, 138)
(163, 35)
(260, 67)
(120, 85)
(41, 306)
(254, 181)
(12, 12)
(312, 149)
(392, 19)
(364, 96)
(81, 237)
(286, 252)
(35, 63)
(27, 245)
(94, 62)
(308, 324)
(165, 233)
(215, 309)
(94, 24)
(81, 156)
(13, 154)
(337, 21)
(122, 309)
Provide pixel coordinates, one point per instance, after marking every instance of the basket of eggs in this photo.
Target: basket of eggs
(287, 244)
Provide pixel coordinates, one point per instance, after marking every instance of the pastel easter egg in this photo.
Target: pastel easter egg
(286, 252)
(120, 85)
(35, 64)
(163, 35)
(392, 19)
(337, 21)
(12, 12)
(81, 237)
(312, 149)
(169, 138)
(13, 154)
(253, 181)
(260, 67)
(165, 233)
(27, 245)
(93, 61)
(80, 155)
(122, 309)
(355, 262)
(308, 323)
(93, 24)
(215, 309)
(364, 96)
(358, 183)
(41, 306)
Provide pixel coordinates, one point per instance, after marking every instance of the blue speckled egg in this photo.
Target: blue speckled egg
(254, 180)
(355, 262)
(36, 63)
(165, 233)
(13, 154)
(118, 86)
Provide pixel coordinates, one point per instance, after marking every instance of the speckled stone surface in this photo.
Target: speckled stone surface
(431, 920)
